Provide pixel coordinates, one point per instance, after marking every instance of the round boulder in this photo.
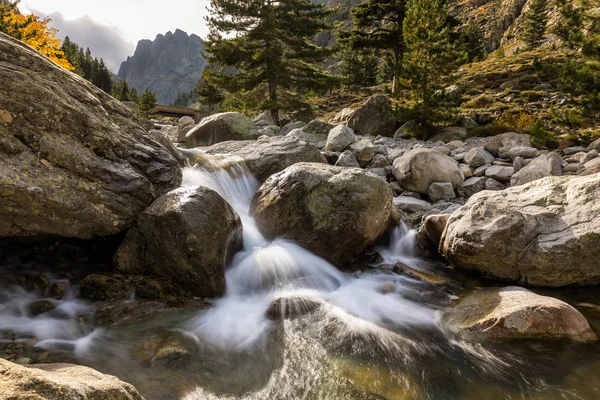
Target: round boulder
(220, 128)
(334, 212)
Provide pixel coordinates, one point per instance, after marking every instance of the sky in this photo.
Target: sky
(112, 28)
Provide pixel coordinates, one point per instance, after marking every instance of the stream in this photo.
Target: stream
(370, 333)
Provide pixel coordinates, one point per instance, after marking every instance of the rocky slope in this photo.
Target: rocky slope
(169, 65)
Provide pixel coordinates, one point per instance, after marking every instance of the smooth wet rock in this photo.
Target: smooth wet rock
(516, 313)
(221, 127)
(60, 381)
(374, 117)
(166, 350)
(98, 287)
(544, 233)
(545, 165)
(291, 307)
(74, 162)
(419, 168)
(339, 138)
(332, 211)
(40, 307)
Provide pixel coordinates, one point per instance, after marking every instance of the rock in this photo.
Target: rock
(166, 349)
(298, 133)
(181, 134)
(419, 168)
(332, 211)
(573, 150)
(317, 131)
(331, 156)
(468, 123)
(508, 140)
(57, 290)
(518, 163)
(340, 138)
(221, 128)
(291, 307)
(466, 170)
(98, 287)
(595, 163)
(543, 233)
(442, 149)
(392, 154)
(471, 186)
(521, 151)
(347, 159)
(364, 151)
(185, 121)
(545, 165)
(61, 381)
(440, 191)
(455, 144)
(40, 307)
(479, 172)
(189, 236)
(410, 204)
(264, 120)
(167, 145)
(450, 134)
(135, 312)
(499, 173)
(267, 156)
(492, 184)
(404, 132)
(375, 117)
(595, 145)
(478, 157)
(433, 227)
(344, 115)
(573, 168)
(77, 164)
(291, 126)
(516, 313)
(379, 161)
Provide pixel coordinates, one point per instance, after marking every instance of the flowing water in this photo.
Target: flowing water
(370, 334)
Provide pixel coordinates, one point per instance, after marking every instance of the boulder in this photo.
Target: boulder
(492, 184)
(364, 151)
(267, 156)
(185, 121)
(450, 134)
(545, 165)
(595, 145)
(433, 226)
(500, 173)
(471, 186)
(410, 204)
(516, 313)
(375, 117)
(189, 236)
(522, 151)
(221, 127)
(508, 140)
(544, 233)
(347, 159)
(74, 162)
(332, 211)
(339, 138)
(440, 191)
(419, 168)
(98, 287)
(317, 131)
(478, 157)
(291, 307)
(291, 126)
(61, 381)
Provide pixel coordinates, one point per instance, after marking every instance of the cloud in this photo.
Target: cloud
(105, 41)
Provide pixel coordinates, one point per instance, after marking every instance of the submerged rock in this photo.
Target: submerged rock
(220, 128)
(516, 313)
(291, 307)
(545, 233)
(74, 162)
(334, 212)
(98, 287)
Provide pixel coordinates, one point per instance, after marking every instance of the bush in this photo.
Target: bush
(542, 137)
(517, 121)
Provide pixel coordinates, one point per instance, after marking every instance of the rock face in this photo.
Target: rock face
(374, 117)
(76, 164)
(189, 236)
(170, 65)
(417, 169)
(220, 128)
(516, 313)
(334, 212)
(269, 155)
(61, 381)
(545, 233)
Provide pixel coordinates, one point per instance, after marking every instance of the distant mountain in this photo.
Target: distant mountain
(169, 65)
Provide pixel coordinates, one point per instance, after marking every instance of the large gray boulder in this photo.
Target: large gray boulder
(417, 169)
(220, 128)
(60, 381)
(507, 141)
(374, 117)
(478, 157)
(334, 212)
(339, 138)
(516, 313)
(189, 236)
(544, 233)
(542, 166)
(269, 155)
(449, 134)
(74, 161)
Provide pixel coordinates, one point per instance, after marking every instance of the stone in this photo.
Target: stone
(455, 144)
(440, 191)
(410, 204)
(595, 145)
(347, 159)
(167, 145)
(166, 349)
(98, 287)
(419, 168)
(573, 168)
(364, 151)
(379, 161)
(518, 163)
(466, 170)
(508, 140)
(479, 172)
(478, 157)
(450, 134)
(544, 233)
(573, 150)
(332, 211)
(291, 126)
(392, 154)
(339, 138)
(544, 165)
(442, 149)
(492, 184)
(40, 307)
(181, 134)
(77, 164)
(221, 127)
(374, 117)
(516, 313)
(267, 156)
(60, 381)
(500, 173)
(471, 186)
(264, 120)
(189, 236)
(433, 227)
(317, 131)
(522, 151)
(185, 121)
(468, 123)
(595, 163)
(405, 131)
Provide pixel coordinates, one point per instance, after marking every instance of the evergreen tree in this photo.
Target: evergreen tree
(536, 21)
(209, 93)
(268, 43)
(378, 24)
(359, 68)
(569, 27)
(146, 102)
(472, 38)
(430, 54)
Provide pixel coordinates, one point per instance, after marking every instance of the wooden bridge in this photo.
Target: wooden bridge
(178, 112)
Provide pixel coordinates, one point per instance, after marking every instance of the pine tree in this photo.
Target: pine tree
(209, 93)
(569, 27)
(359, 68)
(268, 43)
(536, 21)
(378, 24)
(430, 54)
(146, 102)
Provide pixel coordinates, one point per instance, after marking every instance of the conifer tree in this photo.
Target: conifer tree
(268, 44)
(569, 27)
(535, 24)
(430, 54)
(378, 24)
(146, 102)
(359, 68)
(209, 93)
